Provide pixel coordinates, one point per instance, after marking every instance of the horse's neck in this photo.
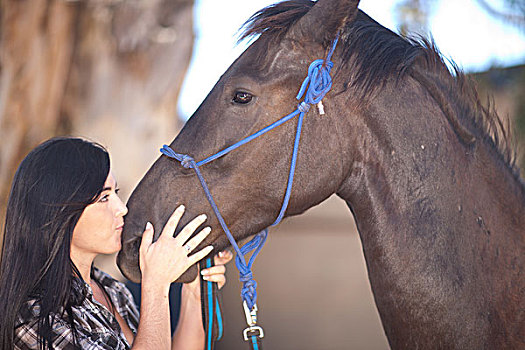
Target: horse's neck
(441, 227)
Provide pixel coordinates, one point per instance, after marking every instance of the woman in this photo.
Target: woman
(63, 211)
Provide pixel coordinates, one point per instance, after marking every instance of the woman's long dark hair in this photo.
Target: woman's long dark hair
(51, 188)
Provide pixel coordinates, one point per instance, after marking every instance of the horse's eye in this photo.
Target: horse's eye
(242, 97)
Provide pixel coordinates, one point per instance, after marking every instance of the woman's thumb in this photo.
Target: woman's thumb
(147, 238)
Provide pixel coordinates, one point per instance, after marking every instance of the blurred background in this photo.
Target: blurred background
(129, 73)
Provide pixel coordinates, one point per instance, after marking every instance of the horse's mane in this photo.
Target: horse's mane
(374, 55)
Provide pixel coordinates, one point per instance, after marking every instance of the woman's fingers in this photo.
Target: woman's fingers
(145, 243)
(173, 221)
(147, 238)
(192, 259)
(223, 257)
(219, 279)
(215, 274)
(195, 241)
(167, 259)
(188, 230)
(214, 270)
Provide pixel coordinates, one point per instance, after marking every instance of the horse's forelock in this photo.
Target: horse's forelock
(275, 20)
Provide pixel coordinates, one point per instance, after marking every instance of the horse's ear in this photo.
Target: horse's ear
(324, 20)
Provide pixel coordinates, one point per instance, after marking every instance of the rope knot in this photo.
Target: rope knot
(186, 161)
(316, 84)
(249, 286)
(249, 293)
(303, 107)
(246, 277)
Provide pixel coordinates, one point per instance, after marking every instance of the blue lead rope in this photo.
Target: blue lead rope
(213, 312)
(314, 88)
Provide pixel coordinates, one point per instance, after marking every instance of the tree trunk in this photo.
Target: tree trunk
(107, 70)
(35, 54)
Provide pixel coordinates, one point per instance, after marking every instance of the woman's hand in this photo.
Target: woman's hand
(168, 258)
(217, 273)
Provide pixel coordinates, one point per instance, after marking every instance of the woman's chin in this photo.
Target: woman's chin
(114, 248)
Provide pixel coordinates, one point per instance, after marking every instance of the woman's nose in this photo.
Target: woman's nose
(121, 209)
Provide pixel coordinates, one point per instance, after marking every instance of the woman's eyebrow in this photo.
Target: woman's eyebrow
(109, 188)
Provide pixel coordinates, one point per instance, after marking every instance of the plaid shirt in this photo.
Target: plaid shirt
(96, 327)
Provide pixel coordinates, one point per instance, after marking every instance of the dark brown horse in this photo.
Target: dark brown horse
(425, 169)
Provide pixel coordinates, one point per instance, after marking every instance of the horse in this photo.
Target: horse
(427, 171)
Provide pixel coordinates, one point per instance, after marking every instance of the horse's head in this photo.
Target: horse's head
(248, 184)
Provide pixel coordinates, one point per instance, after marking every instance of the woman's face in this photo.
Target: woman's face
(100, 226)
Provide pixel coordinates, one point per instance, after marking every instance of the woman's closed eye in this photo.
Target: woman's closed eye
(104, 197)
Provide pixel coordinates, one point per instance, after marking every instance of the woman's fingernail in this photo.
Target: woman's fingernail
(205, 278)
(180, 208)
(149, 226)
(207, 229)
(204, 272)
(203, 216)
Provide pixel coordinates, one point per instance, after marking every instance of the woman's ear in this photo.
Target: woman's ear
(324, 20)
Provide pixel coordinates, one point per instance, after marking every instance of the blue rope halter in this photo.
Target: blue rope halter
(314, 88)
